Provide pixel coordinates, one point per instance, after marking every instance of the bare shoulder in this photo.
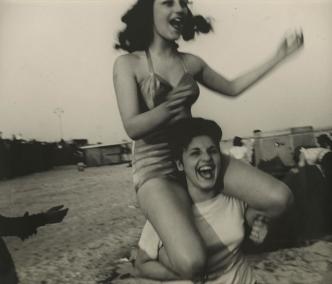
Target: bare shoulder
(193, 62)
(132, 64)
(126, 61)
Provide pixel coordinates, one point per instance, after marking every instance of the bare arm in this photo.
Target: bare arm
(138, 123)
(152, 269)
(27, 225)
(258, 189)
(216, 82)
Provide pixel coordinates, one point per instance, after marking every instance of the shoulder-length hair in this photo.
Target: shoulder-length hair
(138, 33)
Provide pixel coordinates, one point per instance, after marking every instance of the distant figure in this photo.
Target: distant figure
(23, 227)
(324, 141)
(311, 156)
(319, 157)
(311, 184)
(240, 151)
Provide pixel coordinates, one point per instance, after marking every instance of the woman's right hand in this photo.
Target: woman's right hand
(175, 104)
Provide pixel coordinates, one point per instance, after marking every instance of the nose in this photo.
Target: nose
(206, 156)
(179, 7)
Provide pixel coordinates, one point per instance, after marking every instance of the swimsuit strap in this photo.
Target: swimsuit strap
(183, 64)
(150, 63)
(149, 59)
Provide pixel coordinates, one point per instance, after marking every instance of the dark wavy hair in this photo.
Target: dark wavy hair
(183, 131)
(138, 33)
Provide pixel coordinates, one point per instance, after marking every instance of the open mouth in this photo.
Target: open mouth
(206, 172)
(177, 23)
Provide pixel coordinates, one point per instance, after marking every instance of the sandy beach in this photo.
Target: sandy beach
(102, 226)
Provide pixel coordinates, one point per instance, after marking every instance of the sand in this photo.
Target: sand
(94, 241)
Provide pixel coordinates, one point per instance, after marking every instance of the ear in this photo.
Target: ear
(179, 165)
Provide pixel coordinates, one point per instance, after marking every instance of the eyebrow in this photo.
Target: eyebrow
(198, 148)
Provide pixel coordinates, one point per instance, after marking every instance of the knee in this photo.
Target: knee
(191, 265)
(282, 198)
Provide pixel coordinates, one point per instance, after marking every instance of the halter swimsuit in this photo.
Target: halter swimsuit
(152, 157)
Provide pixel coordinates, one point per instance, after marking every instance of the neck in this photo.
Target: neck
(160, 46)
(199, 195)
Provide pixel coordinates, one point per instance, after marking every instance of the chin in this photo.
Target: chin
(173, 36)
(208, 187)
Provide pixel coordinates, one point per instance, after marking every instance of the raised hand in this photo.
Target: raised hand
(55, 214)
(29, 223)
(292, 42)
(176, 102)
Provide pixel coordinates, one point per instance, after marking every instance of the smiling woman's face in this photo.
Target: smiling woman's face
(169, 17)
(201, 162)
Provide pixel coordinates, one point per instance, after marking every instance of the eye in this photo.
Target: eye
(214, 150)
(194, 153)
(185, 3)
(168, 3)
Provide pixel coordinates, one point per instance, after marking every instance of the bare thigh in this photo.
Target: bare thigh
(258, 189)
(168, 207)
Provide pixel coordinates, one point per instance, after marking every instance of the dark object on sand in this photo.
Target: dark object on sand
(81, 166)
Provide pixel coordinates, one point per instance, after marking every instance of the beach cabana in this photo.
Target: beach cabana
(106, 154)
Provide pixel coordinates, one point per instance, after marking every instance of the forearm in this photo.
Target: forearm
(233, 87)
(20, 226)
(249, 78)
(153, 269)
(8, 226)
(144, 123)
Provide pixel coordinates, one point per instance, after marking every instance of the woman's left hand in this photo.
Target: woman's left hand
(291, 43)
(259, 230)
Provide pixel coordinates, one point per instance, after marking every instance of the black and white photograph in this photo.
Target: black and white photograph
(165, 141)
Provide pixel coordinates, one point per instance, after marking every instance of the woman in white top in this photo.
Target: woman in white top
(220, 219)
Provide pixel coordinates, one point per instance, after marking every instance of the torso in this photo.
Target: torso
(220, 222)
(156, 88)
(152, 156)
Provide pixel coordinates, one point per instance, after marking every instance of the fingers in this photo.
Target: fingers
(181, 88)
(56, 216)
(301, 37)
(56, 219)
(259, 218)
(55, 208)
(176, 104)
(181, 91)
(295, 38)
(259, 229)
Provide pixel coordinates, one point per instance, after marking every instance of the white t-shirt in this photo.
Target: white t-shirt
(314, 155)
(221, 223)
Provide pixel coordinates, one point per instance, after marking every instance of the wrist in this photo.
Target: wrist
(163, 113)
(279, 56)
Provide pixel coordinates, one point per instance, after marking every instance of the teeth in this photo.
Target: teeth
(206, 168)
(206, 174)
(176, 23)
(206, 171)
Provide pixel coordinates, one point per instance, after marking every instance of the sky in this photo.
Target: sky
(58, 54)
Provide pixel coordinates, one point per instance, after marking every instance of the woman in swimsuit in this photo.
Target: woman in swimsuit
(155, 86)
